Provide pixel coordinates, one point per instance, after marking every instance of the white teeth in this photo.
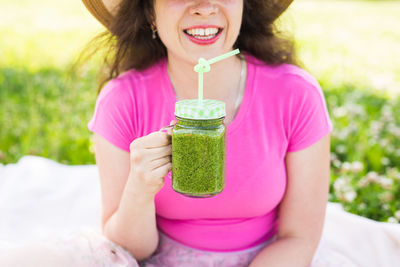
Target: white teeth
(209, 32)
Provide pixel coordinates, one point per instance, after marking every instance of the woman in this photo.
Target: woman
(272, 209)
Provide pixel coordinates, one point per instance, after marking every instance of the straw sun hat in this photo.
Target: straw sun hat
(100, 9)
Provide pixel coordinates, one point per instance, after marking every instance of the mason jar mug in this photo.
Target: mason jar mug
(198, 149)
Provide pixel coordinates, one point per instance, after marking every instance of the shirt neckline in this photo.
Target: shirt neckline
(243, 108)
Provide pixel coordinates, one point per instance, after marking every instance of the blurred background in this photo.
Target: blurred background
(351, 47)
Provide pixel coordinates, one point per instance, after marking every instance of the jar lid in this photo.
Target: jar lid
(204, 110)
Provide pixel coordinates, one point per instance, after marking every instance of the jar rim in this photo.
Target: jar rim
(200, 119)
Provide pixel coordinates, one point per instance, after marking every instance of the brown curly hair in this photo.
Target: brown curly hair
(131, 46)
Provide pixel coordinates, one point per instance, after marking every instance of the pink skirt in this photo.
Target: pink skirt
(172, 253)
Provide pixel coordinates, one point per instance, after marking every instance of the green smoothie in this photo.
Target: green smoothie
(198, 157)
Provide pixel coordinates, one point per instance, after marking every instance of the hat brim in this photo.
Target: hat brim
(103, 15)
(99, 11)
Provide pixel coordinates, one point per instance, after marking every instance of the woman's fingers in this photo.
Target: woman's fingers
(158, 152)
(159, 162)
(152, 140)
(162, 170)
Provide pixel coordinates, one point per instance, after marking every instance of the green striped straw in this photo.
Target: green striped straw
(204, 66)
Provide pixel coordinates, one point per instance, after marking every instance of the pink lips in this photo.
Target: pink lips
(207, 41)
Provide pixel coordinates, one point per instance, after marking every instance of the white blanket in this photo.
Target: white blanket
(40, 198)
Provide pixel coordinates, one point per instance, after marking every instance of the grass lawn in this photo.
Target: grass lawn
(349, 42)
(349, 46)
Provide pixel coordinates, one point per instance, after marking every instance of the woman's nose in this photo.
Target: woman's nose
(204, 8)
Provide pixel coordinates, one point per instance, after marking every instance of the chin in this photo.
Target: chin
(208, 53)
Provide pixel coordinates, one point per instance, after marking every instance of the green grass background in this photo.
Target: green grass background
(351, 47)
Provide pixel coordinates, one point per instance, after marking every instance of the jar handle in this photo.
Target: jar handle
(167, 127)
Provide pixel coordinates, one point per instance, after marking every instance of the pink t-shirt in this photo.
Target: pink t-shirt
(283, 110)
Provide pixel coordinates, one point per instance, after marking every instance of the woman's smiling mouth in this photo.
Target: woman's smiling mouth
(203, 34)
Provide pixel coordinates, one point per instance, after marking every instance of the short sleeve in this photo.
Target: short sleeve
(309, 119)
(113, 115)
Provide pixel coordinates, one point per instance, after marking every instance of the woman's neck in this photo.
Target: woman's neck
(221, 83)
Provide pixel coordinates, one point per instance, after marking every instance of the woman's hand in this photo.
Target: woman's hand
(150, 161)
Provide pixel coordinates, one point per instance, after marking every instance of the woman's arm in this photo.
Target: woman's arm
(127, 218)
(302, 210)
